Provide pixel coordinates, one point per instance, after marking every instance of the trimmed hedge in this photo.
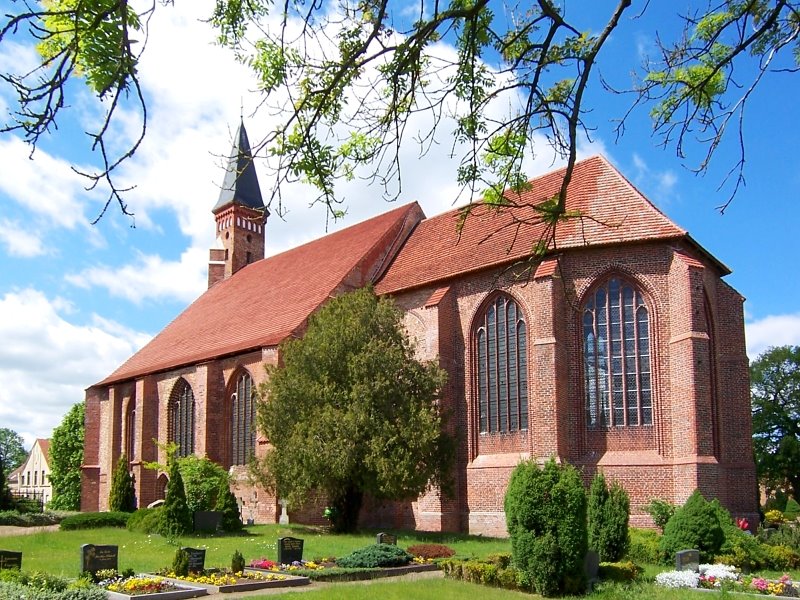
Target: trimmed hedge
(483, 573)
(145, 520)
(620, 572)
(17, 519)
(374, 556)
(643, 546)
(95, 520)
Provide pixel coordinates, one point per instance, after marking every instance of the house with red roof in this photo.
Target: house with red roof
(608, 340)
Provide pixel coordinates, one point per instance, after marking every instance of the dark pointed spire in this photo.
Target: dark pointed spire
(240, 185)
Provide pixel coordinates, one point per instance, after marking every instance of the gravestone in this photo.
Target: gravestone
(98, 558)
(386, 538)
(591, 566)
(284, 518)
(197, 559)
(207, 520)
(687, 560)
(289, 550)
(10, 560)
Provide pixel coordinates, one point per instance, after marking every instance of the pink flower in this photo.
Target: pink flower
(742, 524)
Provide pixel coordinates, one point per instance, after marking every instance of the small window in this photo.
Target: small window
(616, 357)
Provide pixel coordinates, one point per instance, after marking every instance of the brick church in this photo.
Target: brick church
(622, 350)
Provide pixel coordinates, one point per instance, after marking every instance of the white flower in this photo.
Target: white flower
(720, 572)
(678, 579)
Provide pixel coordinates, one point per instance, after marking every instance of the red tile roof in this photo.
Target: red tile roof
(44, 445)
(269, 300)
(612, 211)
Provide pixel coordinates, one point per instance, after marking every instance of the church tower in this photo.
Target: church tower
(240, 215)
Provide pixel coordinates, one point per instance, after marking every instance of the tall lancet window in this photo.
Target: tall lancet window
(130, 429)
(501, 342)
(243, 420)
(181, 417)
(616, 357)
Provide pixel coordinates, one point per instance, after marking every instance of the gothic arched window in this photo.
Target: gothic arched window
(616, 357)
(243, 420)
(502, 367)
(130, 429)
(181, 417)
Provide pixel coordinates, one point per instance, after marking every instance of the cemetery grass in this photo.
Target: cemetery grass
(58, 552)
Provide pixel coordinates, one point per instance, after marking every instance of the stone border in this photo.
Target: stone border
(188, 591)
(245, 585)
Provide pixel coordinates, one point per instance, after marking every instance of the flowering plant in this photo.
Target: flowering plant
(727, 577)
(263, 563)
(743, 524)
(137, 585)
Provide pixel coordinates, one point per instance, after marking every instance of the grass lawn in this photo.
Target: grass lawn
(58, 552)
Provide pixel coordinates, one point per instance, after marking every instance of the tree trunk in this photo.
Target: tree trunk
(346, 508)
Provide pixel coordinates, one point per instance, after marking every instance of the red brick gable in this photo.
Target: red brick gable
(612, 212)
(269, 300)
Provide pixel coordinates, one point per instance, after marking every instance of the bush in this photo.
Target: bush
(38, 519)
(145, 520)
(431, 551)
(780, 558)
(374, 556)
(227, 505)
(546, 519)
(94, 520)
(482, 572)
(607, 513)
(643, 546)
(661, 511)
(180, 563)
(175, 516)
(202, 480)
(122, 497)
(792, 510)
(694, 525)
(237, 562)
(620, 572)
(784, 535)
(43, 586)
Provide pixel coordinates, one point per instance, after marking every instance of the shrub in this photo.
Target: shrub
(94, 520)
(501, 559)
(237, 562)
(643, 546)
(15, 591)
(17, 519)
(742, 550)
(619, 571)
(431, 551)
(376, 555)
(694, 525)
(122, 497)
(784, 535)
(780, 558)
(202, 480)
(482, 572)
(607, 513)
(661, 511)
(227, 505)
(180, 563)
(792, 510)
(145, 520)
(546, 519)
(175, 516)
(774, 517)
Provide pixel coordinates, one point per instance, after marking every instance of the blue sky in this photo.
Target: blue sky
(76, 300)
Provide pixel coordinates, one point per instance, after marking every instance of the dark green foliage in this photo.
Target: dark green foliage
(643, 546)
(775, 391)
(619, 571)
(784, 535)
(66, 457)
(18, 519)
(607, 513)
(661, 511)
(12, 451)
(180, 563)
(351, 412)
(6, 501)
(374, 556)
(492, 573)
(36, 585)
(227, 505)
(94, 520)
(122, 497)
(175, 516)
(431, 551)
(237, 562)
(202, 480)
(546, 519)
(694, 525)
(792, 510)
(145, 520)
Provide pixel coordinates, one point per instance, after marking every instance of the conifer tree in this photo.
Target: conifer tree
(608, 512)
(175, 516)
(227, 505)
(123, 495)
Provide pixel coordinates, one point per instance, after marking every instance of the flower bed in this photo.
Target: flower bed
(225, 582)
(726, 577)
(153, 587)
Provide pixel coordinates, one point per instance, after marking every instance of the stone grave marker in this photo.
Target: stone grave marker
(197, 559)
(591, 566)
(10, 560)
(386, 538)
(207, 520)
(687, 560)
(97, 558)
(284, 518)
(289, 550)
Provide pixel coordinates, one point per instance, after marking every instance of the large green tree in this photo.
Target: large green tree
(12, 449)
(775, 390)
(66, 457)
(346, 79)
(351, 412)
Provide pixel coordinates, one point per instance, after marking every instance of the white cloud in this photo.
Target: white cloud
(20, 241)
(658, 186)
(47, 361)
(772, 330)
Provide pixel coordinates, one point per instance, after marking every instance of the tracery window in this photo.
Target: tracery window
(243, 420)
(616, 357)
(130, 430)
(181, 417)
(502, 367)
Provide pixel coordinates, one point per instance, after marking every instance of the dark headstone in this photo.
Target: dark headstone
(591, 566)
(386, 538)
(289, 550)
(197, 559)
(207, 520)
(10, 560)
(687, 560)
(98, 558)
